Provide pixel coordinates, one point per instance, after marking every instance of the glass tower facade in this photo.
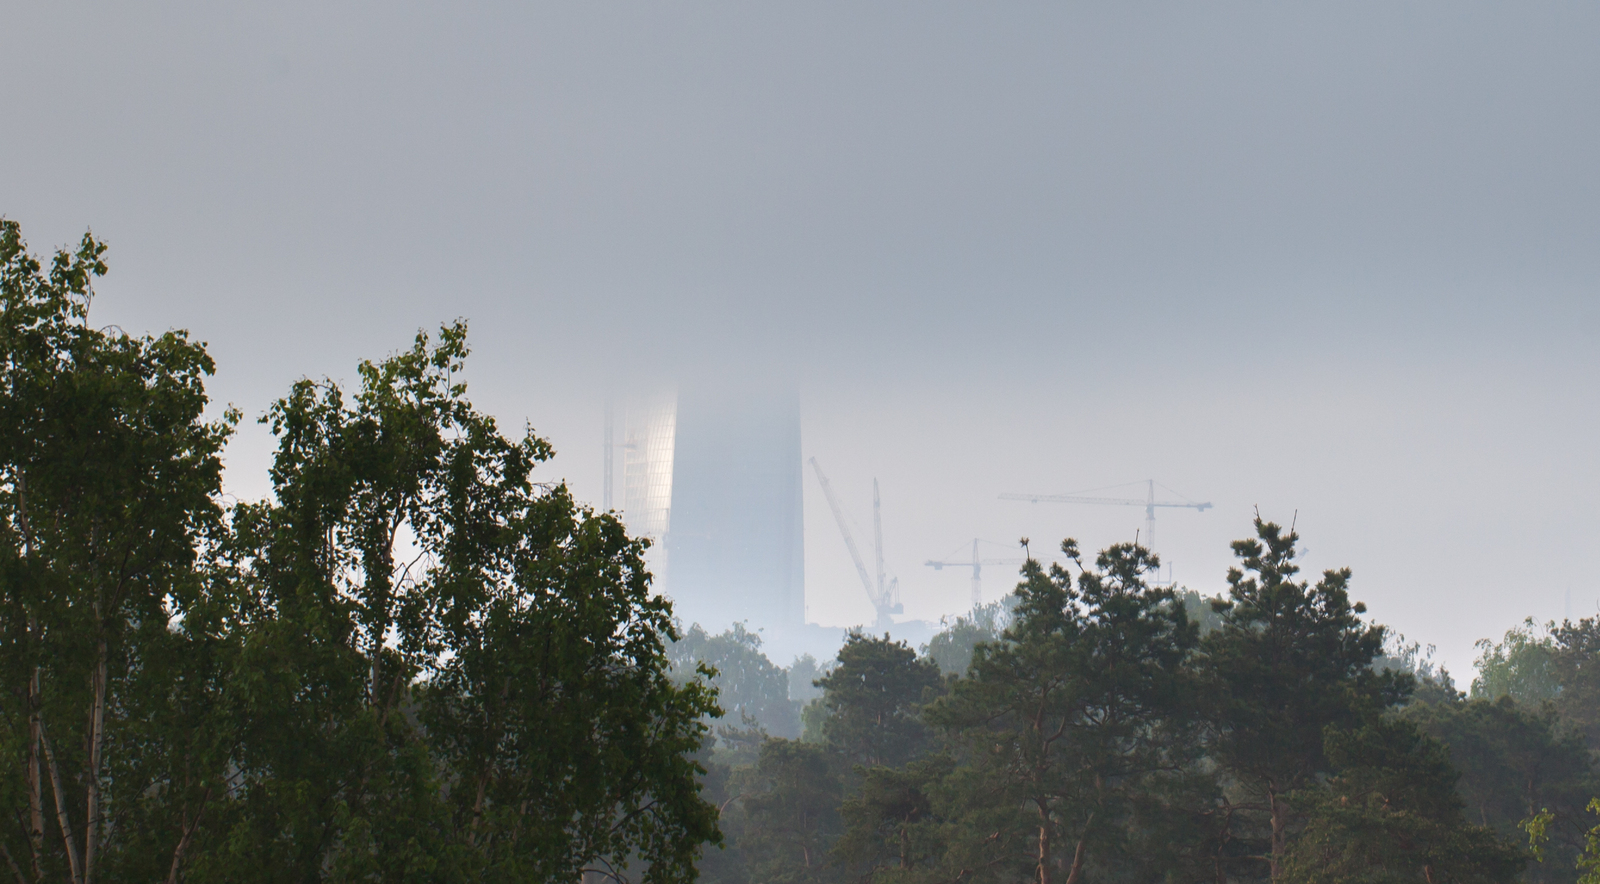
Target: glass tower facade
(712, 472)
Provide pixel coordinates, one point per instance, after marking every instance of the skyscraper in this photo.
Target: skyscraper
(713, 473)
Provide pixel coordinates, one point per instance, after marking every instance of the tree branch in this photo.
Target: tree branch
(62, 819)
(188, 835)
(15, 869)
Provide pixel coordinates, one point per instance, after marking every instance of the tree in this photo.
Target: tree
(1575, 665)
(276, 692)
(1390, 812)
(1202, 611)
(497, 707)
(952, 648)
(1520, 666)
(1078, 712)
(791, 799)
(1515, 762)
(1289, 660)
(896, 825)
(803, 675)
(748, 685)
(108, 478)
(873, 697)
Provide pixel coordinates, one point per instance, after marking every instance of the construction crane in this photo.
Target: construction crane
(884, 597)
(977, 569)
(1150, 505)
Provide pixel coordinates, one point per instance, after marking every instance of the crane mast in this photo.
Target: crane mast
(976, 565)
(881, 600)
(877, 536)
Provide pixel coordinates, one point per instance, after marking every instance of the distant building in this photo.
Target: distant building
(649, 423)
(713, 474)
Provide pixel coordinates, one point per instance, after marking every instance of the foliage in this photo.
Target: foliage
(108, 480)
(791, 798)
(873, 697)
(1411, 658)
(414, 662)
(803, 675)
(896, 824)
(1077, 712)
(1290, 660)
(1390, 812)
(952, 648)
(418, 662)
(1515, 762)
(747, 683)
(1100, 738)
(1575, 665)
(1588, 861)
(1519, 666)
(1201, 610)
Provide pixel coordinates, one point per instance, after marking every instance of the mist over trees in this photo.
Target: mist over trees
(416, 662)
(1095, 727)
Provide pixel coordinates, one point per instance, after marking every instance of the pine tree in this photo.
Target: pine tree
(873, 698)
(1074, 717)
(1289, 661)
(1390, 812)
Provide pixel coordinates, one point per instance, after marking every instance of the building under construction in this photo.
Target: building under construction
(712, 474)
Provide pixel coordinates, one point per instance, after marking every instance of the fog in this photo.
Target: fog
(1335, 261)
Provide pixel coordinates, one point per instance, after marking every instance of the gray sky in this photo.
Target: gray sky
(1333, 258)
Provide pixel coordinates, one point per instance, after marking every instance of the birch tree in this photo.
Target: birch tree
(108, 478)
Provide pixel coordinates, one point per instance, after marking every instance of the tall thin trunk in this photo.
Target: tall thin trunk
(62, 819)
(477, 808)
(1076, 874)
(1044, 845)
(1227, 835)
(1280, 830)
(97, 723)
(188, 836)
(35, 703)
(1081, 851)
(35, 777)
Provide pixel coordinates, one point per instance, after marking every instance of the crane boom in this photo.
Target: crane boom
(1150, 505)
(942, 565)
(1111, 501)
(878, 602)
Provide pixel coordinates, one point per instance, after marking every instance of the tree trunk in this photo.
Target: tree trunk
(188, 835)
(1227, 835)
(62, 819)
(1044, 845)
(1280, 830)
(97, 725)
(35, 777)
(477, 807)
(35, 703)
(1074, 876)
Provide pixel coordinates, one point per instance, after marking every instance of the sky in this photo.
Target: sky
(1332, 262)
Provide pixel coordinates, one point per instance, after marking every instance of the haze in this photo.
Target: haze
(1334, 260)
